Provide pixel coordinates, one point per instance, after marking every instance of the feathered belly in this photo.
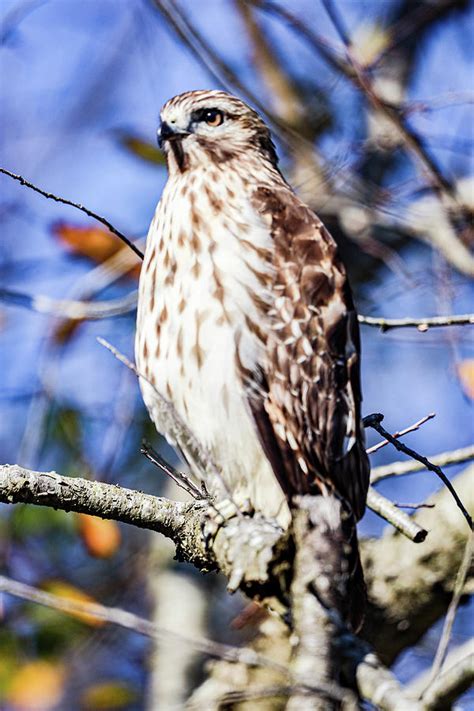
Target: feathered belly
(192, 343)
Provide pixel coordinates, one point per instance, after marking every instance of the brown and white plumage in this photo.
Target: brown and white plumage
(245, 321)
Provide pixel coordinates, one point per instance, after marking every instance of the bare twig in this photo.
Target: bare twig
(401, 433)
(85, 210)
(391, 112)
(449, 686)
(374, 421)
(400, 468)
(177, 430)
(71, 309)
(179, 478)
(140, 625)
(456, 678)
(129, 620)
(421, 324)
(413, 506)
(389, 511)
(414, 23)
(453, 606)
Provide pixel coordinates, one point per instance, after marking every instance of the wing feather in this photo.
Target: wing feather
(307, 403)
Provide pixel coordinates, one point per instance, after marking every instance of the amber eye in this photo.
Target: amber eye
(213, 117)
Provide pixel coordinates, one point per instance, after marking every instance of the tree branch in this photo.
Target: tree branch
(374, 421)
(412, 428)
(421, 324)
(445, 459)
(182, 522)
(129, 620)
(457, 677)
(406, 600)
(72, 309)
(399, 519)
(85, 210)
(246, 549)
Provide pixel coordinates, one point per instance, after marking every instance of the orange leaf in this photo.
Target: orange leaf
(96, 243)
(36, 686)
(100, 536)
(466, 376)
(70, 592)
(143, 149)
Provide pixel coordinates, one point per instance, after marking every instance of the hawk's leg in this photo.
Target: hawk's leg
(220, 513)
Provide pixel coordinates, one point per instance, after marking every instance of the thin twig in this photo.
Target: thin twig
(140, 625)
(129, 620)
(350, 68)
(85, 210)
(421, 324)
(402, 522)
(374, 421)
(410, 139)
(453, 606)
(401, 433)
(448, 686)
(400, 468)
(72, 309)
(181, 432)
(179, 478)
(413, 506)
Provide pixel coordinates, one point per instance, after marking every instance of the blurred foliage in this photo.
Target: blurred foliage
(107, 696)
(95, 243)
(143, 149)
(101, 537)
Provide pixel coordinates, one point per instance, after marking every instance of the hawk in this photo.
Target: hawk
(246, 322)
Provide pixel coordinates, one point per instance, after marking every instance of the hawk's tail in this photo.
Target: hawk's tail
(356, 591)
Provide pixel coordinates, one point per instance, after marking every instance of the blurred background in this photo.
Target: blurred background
(82, 83)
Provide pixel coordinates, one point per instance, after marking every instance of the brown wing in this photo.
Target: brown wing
(307, 408)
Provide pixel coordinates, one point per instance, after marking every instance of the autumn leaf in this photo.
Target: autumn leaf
(66, 330)
(100, 536)
(145, 150)
(36, 686)
(107, 695)
(70, 592)
(466, 375)
(92, 242)
(95, 243)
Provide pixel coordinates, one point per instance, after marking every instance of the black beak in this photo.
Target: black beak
(174, 137)
(168, 133)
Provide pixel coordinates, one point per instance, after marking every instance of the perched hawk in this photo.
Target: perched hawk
(246, 323)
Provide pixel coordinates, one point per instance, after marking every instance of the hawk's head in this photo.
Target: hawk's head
(199, 126)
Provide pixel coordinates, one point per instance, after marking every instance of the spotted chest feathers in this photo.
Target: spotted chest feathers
(203, 317)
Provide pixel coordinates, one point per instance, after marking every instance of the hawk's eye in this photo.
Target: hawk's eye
(213, 117)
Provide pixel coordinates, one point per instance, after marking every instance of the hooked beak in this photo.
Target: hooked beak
(169, 133)
(175, 139)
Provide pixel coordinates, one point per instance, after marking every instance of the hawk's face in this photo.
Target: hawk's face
(200, 126)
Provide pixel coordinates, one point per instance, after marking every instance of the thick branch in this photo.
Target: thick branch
(245, 549)
(318, 585)
(176, 520)
(408, 598)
